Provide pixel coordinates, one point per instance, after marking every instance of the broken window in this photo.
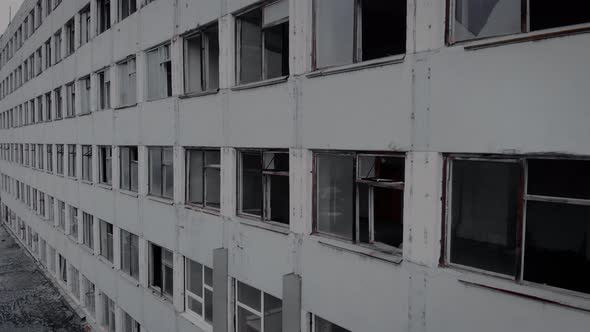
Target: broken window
(487, 202)
(126, 8)
(85, 95)
(105, 164)
(366, 207)
(60, 159)
(89, 290)
(70, 39)
(74, 222)
(161, 270)
(103, 16)
(104, 89)
(130, 253)
(108, 313)
(129, 168)
(322, 325)
(352, 31)
(57, 48)
(87, 230)
(85, 25)
(203, 177)
(161, 180)
(263, 43)
(159, 73)
(63, 270)
(72, 160)
(476, 19)
(87, 163)
(264, 185)
(256, 310)
(70, 100)
(199, 290)
(127, 82)
(106, 240)
(201, 54)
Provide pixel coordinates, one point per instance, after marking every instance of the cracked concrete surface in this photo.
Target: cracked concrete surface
(28, 300)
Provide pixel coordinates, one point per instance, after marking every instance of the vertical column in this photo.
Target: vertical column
(220, 290)
(114, 11)
(179, 171)
(422, 207)
(176, 57)
(140, 75)
(291, 303)
(96, 235)
(116, 247)
(116, 170)
(95, 164)
(300, 33)
(228, 182)
(178, 278)
(78, 161)
(143, 262)
(226, 51)
(301, 187)
(142, 170)
(77, 31)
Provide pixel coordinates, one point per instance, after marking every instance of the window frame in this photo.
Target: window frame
(238, 304)
(190, 295)
(105, 153)
(103, 90)
(203, 34)
(107, 240)
(133, 269)
(162, 166)
(163, 58)
(163, 265)
(124, 77)
(127, 185)
(87, 163)
(204, 167)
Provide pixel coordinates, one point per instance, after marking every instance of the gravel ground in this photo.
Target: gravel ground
(28, 300)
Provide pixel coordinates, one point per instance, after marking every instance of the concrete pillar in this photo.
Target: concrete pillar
(228, 182)
(96, 235)
(301, 187)
(115, 169)
(300, 33)
(142, 170)
(226, 51)
(423, 208)
(95, 164)
(178, 171)
(291, 303)
(220, 290)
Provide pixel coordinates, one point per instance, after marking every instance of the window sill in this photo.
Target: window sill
(69, 116)
(198, 322)
(49, 172)
(395, 258)
(358, 66)
(60, 175)
(161, 200)
(122, 107)
(86, 248)
(104, 186)
(84, 114)
(535, 292)
(106, 262)
(269, 226)
(258, 84)
(73, 178)
(86, 182)
(202, 209)
(523, 37)
(129, 193)
(129, 278)
(160, 297)
(198, 94)
(71, 238)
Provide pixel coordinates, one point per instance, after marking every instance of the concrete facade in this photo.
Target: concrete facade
(516, 98)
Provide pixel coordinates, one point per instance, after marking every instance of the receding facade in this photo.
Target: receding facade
(302, 165)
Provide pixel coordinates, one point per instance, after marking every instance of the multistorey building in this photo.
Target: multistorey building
(303, 165)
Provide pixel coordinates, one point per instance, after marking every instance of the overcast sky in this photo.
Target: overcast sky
(4, 10)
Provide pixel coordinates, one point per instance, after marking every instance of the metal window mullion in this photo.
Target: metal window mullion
(371, 205)
(203, 290)
(521, 226)
(355, 232)
(358, 40)
(356, 236)
(262, 311)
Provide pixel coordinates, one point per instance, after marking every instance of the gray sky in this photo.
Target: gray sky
(4, 5)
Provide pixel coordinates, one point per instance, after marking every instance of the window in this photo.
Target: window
(40, 156)
(477, 19)
(87, 163)
(366, 210)
(34, 200)
(128, 83)
(108, 313)
(74, 222)
(48, 53)
(106, 156)
(159, 73)
(126, 8)
(60, 159)
(263, 43)
(161, 270)
(199, 290)
(322, 325)
(48, 106)
(104, 15)
(256, 310)
(33, 21)
(264, 185)
(89, 290)
(50, 159)
(61, 215)
(129, 168)
(504, 215)
(87, 230)
(42, 204)
(84, 25)
(51, 259)
(63, 272)
(58, 104)
(353, 31)
(33, 155)
(203, 177)
(106, 240)
(39, 8)
(70, 100)
(75, 282)
(57, 47)
(43, 252)
(32, 110)
(50, 208)
(129, 324)
(201, 52)
(161, 172)
(72, 160)
(38, 61)
(130, 253)
(40, 113)
(104, 90)
(48, 7)
(85, 95)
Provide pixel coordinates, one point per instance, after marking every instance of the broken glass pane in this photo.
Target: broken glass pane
(484, 215)
(388, 207)
(279, 198)
(379, 16)
(557, 248)
(252, 183)
(486, 18)
(276, 50)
